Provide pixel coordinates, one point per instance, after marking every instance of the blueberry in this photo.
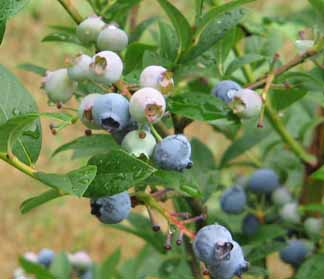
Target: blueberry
(147, 105)
(89, 29)
(157, 77)
(106, 67)
(289, 213)
(263, 181)
(58, 86)
(233, 265)
(139, 142)
(111, 112)
(85, 111)
(250, 225)
(295, 253)
(80, 261)
(281, 196)
(313, 226)
(80, 68)
(212, 243)
(173, 153)
(45, 257)
(246, 103)
(112, 38)
(111, 209)
(233, 200)
(225, 90)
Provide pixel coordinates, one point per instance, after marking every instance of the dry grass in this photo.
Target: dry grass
(64, 224)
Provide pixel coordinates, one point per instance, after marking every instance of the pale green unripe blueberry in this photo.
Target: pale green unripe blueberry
(80, 68)
(112, 38)
(89, 29)
(289, 213)
(139, 142)
(157, 77)
(246, 103)
(147, 105)
(304, 45)
(313, 226)
(106, 67)
(85, 111)
(281, 196)
(58, 86)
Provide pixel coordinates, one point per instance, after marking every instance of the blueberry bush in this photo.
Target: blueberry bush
(140, 84)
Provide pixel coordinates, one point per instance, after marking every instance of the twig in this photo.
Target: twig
(72, 11)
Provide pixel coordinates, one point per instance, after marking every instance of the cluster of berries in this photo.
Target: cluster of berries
(80, 262)
(278, 206)
(223, 256)
(245, 103)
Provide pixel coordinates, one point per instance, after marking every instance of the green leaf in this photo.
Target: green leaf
(38, 270)
(313, 208)
(175, 180)
(179, 22)
(11, 8)
(153, 58)
(61, 267)
(134, 55)
(88, 146)
(2, 30)
(198, 106)
(75, 182)
(268, 232)
(39, 200)
(251, 137)
(213, 32)
(283, 98)
(312, 268)
(168, 41)
(262, 250)
(201, 155)
(15, 100)
(117, 172)
(319, 174)
(62, 37)
(142, 228)
(241, 61)
(140, 29)
(108, 269)
(33, 68)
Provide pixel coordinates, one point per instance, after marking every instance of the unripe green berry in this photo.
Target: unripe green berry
(58, 86)
(80, 68)
(313, 226)
(289, 213)
(139, 142)
(89, 29)
(246, 103)
(112, 38)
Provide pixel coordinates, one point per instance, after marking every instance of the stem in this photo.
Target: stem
(72, 11)
(247, 71)
(133, 18)
(298, 59)
(16, 163)
(123, 88)
(155, 133)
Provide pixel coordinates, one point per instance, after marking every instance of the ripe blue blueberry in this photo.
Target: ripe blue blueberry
(226, 90)
(58, 86)
(85, 111)
(111, 112)
(246, 103)
(112, 38)
(295, 253)
(313, 226)
(233, 200)
(234, 265)
(89, 29)
(281, 196)
(139, 142)
(147, 105)
(173, 153)
(45, 257)
(157, 77)
(80, 68)
(106, 67)
(111, 209)
(263, 181)
(289, 213)
(213, 243)
(250, 225)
